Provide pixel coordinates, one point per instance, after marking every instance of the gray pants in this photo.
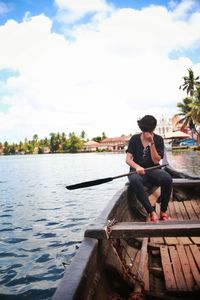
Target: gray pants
(156, 177)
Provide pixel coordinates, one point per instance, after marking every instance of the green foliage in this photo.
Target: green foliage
(190, 83)
(189, 108)
(74, 143)
(97, 139)
(56, 143)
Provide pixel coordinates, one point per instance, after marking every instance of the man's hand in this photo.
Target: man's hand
(148, 136)
(140, 170)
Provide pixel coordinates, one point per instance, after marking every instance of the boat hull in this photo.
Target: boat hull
(106, 267)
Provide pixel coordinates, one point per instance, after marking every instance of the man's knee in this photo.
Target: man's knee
(135, 179)
(166, 179)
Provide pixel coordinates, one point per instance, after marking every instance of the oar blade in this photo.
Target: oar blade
(88, 183)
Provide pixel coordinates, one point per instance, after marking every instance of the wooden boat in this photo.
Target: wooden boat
(128, 258)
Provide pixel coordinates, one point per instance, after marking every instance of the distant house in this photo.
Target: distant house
(46, 150)
(90, 146)
(115, 144)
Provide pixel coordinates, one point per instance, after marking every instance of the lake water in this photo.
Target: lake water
(42, 222)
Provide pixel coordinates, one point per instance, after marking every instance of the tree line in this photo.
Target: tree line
(189, 111)
(56, 143)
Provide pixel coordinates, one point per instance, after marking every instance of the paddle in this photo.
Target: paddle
(104, 180)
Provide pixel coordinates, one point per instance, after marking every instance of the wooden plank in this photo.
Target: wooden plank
(170, 282)
(183, 211)
(181, 214)
(193, 266)
(196, 254)
(195, 239)
(184, 240)
(171, 240)
(178, 210)
(198, 202)
(172, 210)
(146, 229)
(141, 268)
(146, 276)
(178, 273)
(157, 240)
(196, 208)
(185, 266)
(190, 210)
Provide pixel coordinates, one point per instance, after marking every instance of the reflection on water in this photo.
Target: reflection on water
(42, 223)
(187, 162)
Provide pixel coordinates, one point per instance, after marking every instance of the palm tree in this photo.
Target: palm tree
(103, 136)
(185, 108)
(195, 112)
(196, 107)
(35, 138)
(83, 135)
(190, 83)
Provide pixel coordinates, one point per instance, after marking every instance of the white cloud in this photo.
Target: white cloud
(70, 11)
(183, 9)
(108, 77)
(4, 8)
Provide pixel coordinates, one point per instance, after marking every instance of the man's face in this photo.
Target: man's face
(147, 134)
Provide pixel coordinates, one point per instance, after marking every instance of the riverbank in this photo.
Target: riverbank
(188, 148)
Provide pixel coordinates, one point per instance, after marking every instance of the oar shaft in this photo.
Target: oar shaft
(104, 180)
(134, 172)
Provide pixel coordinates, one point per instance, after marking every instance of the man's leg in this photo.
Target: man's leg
(137, 185)
(164, 180)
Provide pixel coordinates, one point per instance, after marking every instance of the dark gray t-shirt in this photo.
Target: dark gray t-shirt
(142, 155)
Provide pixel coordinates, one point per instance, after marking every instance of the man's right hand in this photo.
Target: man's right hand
(140, 170)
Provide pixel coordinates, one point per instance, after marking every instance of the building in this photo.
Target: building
(91, 146)
(164, 126)
(115, 144)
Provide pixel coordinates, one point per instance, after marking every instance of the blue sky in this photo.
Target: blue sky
(93, 65)
(16, 9)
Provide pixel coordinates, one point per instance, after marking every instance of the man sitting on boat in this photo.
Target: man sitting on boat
(145, 150)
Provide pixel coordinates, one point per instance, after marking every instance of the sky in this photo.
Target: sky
(93, 65)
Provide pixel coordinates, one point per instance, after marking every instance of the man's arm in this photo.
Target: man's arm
(154, 154)
(131, 163)
(153, 151)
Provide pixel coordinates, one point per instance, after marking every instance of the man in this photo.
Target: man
(146, 149)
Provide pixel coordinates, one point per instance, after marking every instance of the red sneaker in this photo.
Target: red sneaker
(153, 217)
(164, 217)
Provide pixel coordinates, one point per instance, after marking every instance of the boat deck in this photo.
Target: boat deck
(177, 259)
(171, 265)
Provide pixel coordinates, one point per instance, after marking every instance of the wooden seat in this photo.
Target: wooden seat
(181, 267)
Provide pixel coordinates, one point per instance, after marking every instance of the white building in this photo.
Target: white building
(164, 126)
